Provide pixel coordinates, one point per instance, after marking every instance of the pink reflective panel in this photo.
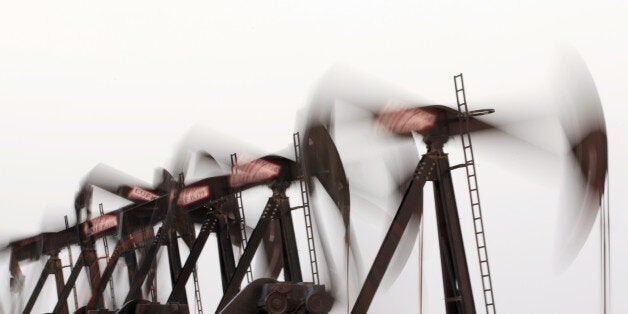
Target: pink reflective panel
(255, 171)
(100, 225)
(139, 194)
(406, 120)
(192, 195)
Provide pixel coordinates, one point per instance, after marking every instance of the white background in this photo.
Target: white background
(120, 82)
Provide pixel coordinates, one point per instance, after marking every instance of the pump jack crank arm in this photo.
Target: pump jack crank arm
(412, 198)
(225, 251)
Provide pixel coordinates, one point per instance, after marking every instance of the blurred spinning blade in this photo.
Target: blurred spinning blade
(581, 142)
(582, 119)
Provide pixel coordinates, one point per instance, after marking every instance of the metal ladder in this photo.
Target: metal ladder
(197, 288)
(198, 303)
(152, 286)
(238, 195)
(306, 210)
(106, 245)
(197, 292)
(474, 195)
(71, 265)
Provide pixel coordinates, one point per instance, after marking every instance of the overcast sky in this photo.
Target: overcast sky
(120, 82)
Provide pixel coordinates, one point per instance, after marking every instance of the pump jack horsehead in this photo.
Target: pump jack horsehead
(342, 90)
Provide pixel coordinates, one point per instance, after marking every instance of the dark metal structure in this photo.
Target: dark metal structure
(436, 124)
(434, 166)
(215, 203)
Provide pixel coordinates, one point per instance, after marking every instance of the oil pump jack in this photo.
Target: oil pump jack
(179, 221)
(320, 160)
(266, 294)
(51, 243)
(274, 170)
(132, 224)
(213, 202)
(401, 115)
(437, 124)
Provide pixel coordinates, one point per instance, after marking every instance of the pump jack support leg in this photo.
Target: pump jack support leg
(249, 253)
(456, 282)
(195, 252)
(130, 258)
(174, 259)
(151, 284)
(68, 285)
(91, 261)
(57, 270)
(225, 251)
(131, 263)
(292, 267)
(40, 284)
(145, 265)
(100, 286)
(150, 280)
(412, 197)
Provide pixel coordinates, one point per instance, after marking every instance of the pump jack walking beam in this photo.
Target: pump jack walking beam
(434, 166)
